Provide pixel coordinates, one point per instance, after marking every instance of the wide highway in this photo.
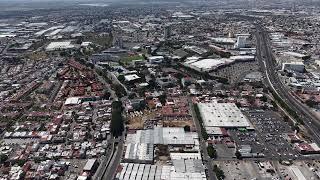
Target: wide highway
(268, 66)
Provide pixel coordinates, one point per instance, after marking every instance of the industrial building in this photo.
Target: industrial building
(183, 169)
(139, 153)
(175, 156)
(164, 135)
(294, 66)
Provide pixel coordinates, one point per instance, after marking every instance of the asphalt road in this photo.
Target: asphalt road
(113, 164)
(267, 63)
(107, 85)
(104, 163)
(203, 146)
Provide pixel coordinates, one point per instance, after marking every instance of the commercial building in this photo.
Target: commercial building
(103, 57)
(221, 40)
(294, 66)
(305, 148)
(53, 46)
(156, 59)
(91, 165)
(241, 41)
(72, 101)
(226, 115)
(206, 65)
(131, 77)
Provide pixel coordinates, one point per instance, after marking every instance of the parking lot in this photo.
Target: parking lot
(224, 152)
(268, 137)
(236, 170)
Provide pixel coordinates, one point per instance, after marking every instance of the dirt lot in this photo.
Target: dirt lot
(137, 119)
(179, 123)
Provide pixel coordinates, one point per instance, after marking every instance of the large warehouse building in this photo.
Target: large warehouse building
(223, 115)
(207, 65)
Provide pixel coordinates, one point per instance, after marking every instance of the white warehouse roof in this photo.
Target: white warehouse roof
(222, 115)
(212, 64)
(131, 77)
(164, 135)
(139, 151)
(59, 45)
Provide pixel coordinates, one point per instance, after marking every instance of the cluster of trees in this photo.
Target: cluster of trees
(117, 125)
(311, 103)
(238, 155)
(211, 151)
(203, 130)
(219, 173)
(264, 99)
(119, 90)
(3, 158)
(163, 99)
(104, 74)
(187, 128)
(84, 62)
(121, 78)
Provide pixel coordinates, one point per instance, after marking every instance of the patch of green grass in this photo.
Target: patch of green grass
(102, 40)
(129, 59)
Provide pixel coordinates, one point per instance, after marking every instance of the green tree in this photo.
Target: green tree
(219, 173)
(295, 127)
(285, 118)
(106, 95)
(120, 91)
(121, 78)
(186, 128)
(21, 162)
(264, 99)
(116, 125)
(163, 99)
(238, 155)
(198, 116)
(311, 103)
(211, 151)
(3, 158)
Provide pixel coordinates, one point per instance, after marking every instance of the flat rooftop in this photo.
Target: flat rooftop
(226, 115)
(212, 64)
(59, 45)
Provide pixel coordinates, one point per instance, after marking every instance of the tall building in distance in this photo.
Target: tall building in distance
(167, 31)
(241, 41)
